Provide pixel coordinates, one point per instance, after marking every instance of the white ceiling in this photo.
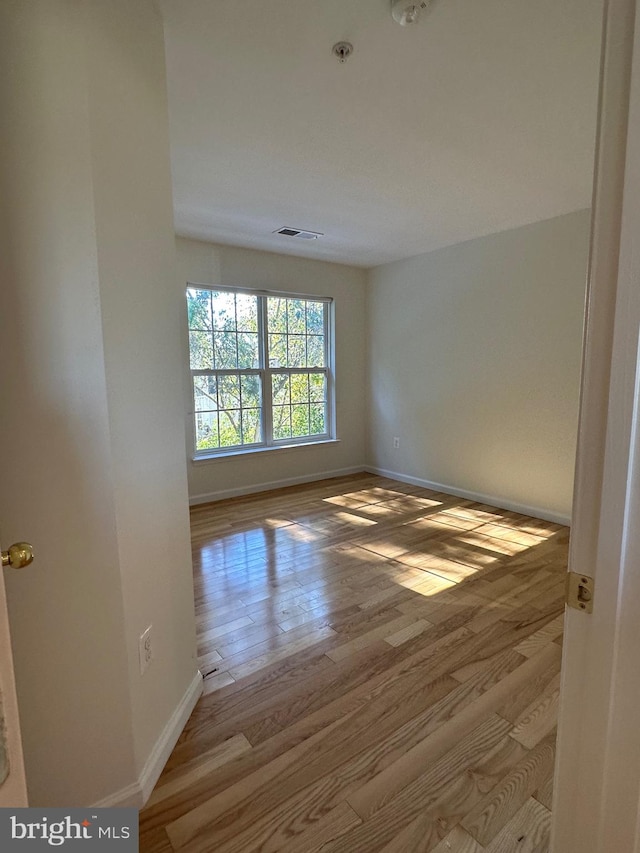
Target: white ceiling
(479, 118)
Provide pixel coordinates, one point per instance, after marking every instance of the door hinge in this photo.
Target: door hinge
(580, 592)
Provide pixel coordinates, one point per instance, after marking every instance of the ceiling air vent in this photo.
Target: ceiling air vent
(299, 233)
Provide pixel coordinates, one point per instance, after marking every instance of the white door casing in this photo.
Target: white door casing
(13, 791)
(597, 783)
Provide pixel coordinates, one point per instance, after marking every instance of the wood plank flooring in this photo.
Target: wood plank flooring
(381, 674)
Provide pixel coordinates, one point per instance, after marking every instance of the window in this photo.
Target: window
(260, 369)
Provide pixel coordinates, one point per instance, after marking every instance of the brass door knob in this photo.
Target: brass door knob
(19, 555)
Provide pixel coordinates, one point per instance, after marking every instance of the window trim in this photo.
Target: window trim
(266, 373)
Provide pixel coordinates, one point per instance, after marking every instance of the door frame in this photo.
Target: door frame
(597, 781)
(13, 791)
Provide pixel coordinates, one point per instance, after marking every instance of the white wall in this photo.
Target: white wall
(474, 363)
(85, 242)
(206, 263)
(141, 321)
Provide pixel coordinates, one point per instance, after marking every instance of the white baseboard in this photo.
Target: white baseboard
(491, 500)
(136, 795)
(209, 497)
(126, 798)
(169, 737)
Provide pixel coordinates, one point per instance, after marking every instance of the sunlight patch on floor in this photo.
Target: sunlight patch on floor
(487, 543)
(302, 534)
(357, 520)
(446, 521)
(381, 510)
(479, 514)
(277, 522)
(426, 583)
(351, 501)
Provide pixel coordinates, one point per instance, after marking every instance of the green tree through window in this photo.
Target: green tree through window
(260, 369)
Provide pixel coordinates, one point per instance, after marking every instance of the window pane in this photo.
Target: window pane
(300, 420)
(315, 351)
(296, 355)
(205, 393)
(247, 350)
(299, 388)
(277, 350)
(317, 419)
(230, 428)
(296, 332)
(251, 432)
(277, 314)
(229, 392)
(223, 310)
(315, 318)
(296, 316)
(207, 431)
(246, 312)
(281, 422)
(225, 350)
(251, 397)
(200, 350)
(280, 389)
(317, 390)
(199, 309)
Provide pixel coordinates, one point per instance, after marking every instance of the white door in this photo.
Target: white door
(13, 789)
(597, 782)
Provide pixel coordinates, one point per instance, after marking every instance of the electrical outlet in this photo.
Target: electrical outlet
(396, 442)
(145, 649)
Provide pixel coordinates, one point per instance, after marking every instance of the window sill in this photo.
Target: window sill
(234, 454)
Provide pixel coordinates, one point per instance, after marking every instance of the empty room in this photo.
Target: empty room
(385, 255)
(298, 309)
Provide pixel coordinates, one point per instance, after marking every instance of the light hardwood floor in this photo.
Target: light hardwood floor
(382, 674)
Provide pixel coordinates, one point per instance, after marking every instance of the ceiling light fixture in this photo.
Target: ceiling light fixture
(405, 12)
